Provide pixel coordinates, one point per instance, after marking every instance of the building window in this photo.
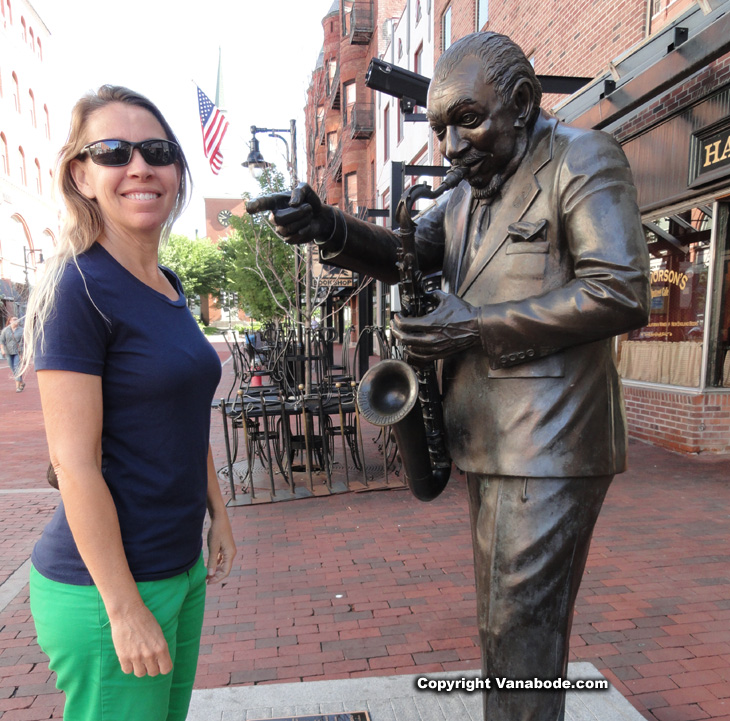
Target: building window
(331, 72)
(401, 123)
(385, 205)
(351, 193)
(23, 176)
(400, 48)
(373, 196)
(386, 133)
(346, 16)
(4, 160)
(418, 66)
(418, 60)
(40, 49)
(47, 119)
(31, 39)
(38, 182)
(10, 11)
(446, 29)
(24, 30)
(16, 93)
(482, 14)
(669, 349)
(418, 11)
(331, 144)
(350, 93)
(31, 108)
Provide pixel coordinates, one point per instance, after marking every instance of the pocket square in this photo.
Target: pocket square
(525, 232)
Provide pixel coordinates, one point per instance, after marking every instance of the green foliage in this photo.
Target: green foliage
(198, 263)
(260, 266)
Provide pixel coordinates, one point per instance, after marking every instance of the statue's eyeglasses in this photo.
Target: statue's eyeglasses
(115, 153)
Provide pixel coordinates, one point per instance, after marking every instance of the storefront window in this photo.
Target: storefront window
(669, 350)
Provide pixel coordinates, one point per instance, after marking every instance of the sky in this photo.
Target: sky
(162, 49)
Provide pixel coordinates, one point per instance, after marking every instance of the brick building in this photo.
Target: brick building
(656, 74)
(29, 216)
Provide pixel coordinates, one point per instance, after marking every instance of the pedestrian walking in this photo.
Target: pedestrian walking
(11, 346)
(126, 380)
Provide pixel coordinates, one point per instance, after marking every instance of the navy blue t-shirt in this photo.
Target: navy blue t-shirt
(159, 374)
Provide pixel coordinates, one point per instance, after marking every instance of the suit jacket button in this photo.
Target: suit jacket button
(513, 357)
(504, 360)
(530, 353)
(521, 355)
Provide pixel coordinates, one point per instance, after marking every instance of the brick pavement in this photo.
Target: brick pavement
(377, 583)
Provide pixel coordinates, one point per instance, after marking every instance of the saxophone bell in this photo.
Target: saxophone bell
(388, 395)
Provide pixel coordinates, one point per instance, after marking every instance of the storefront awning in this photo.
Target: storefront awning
(681, 48)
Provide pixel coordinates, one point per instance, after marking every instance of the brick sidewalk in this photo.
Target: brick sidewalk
(377, 583)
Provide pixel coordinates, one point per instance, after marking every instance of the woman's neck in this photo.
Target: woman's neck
(140, 257)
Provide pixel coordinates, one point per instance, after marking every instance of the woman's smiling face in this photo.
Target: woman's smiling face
(135, 198)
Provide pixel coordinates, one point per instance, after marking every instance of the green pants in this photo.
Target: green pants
(73, 630)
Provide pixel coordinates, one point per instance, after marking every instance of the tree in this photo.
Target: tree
(198, 263)
(259, 266)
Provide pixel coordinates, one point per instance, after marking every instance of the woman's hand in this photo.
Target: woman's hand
(221, 549)
(139, 643)
(221, 546)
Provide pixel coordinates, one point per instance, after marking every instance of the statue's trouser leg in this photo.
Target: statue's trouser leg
(531, 540)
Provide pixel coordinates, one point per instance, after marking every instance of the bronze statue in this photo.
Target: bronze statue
(544, 261)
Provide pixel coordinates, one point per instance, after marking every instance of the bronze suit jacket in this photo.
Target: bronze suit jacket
(561, 269)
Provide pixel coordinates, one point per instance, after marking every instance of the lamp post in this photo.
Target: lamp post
(256, 164)
(28, 252)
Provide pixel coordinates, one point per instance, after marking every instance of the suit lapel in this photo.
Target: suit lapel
(521, 191)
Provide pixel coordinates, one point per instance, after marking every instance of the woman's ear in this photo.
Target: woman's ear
(523, 96)
(80, 177)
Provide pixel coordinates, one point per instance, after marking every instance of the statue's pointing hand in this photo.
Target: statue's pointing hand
(449, 329)
(299, 217)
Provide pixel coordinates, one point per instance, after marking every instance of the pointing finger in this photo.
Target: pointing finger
(276, 201)
(287, 216)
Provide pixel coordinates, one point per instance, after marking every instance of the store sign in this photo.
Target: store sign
(710, 153)
(716, 151)
(344, 280)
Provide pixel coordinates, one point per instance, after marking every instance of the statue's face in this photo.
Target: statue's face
(474, 126)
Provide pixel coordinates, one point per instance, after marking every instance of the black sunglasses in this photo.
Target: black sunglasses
(115, 153)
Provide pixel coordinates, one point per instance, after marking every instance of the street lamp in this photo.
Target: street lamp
(28, 252)
(255, 161)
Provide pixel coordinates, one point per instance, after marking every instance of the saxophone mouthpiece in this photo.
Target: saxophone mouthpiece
(454, 176)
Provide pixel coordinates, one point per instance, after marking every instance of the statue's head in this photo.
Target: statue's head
(483, 102)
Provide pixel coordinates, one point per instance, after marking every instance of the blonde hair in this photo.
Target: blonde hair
(84, 223)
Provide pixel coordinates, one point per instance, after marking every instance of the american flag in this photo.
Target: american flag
(214, 126)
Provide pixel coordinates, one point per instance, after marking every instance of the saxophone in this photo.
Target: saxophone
(405, 394)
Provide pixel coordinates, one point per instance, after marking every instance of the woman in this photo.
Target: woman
(11, 343)
(126, 381)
